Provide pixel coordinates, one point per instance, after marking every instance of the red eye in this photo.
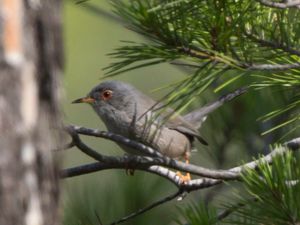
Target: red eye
(107, 94)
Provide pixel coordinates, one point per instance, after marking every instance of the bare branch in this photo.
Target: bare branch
(192, 185)
(116, 138)
(99, 166)
(272, 66)
(154, 165)
(280, 5)
(134, 161)
(204, 54)
(291, 145)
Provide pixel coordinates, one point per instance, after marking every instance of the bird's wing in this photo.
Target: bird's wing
(198, 116)
(178, 123)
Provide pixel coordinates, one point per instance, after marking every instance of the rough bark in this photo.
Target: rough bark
(30, 69)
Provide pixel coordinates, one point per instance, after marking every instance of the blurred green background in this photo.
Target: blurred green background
(232, 132)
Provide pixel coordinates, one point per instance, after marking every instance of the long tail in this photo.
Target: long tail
(198, 116)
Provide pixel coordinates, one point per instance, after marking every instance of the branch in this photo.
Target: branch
(233, 208)
(135, 161)
(204, 54)
(161, 171)
(153, 205)
(124, 162)
(116, 138)
(271, 66)
(292, 145)
(154, 165)
(273, 44)
(222, 215)
(280, 5)
(99, 166)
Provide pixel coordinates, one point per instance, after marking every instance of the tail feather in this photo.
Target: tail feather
(198, 116)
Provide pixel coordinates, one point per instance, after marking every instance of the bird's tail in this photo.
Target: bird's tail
(198, 116)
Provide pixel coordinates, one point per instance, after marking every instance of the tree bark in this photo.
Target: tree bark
(30, 70)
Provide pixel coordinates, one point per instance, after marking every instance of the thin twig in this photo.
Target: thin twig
(98, 218)
(222, 215)
(65, 147)
(273, 44)
(153, 205)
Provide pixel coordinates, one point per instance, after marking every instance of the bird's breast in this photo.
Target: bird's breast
(167, 141)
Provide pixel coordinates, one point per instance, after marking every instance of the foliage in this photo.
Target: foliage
(198, 213)
(223, 41)
(272, 197)
(275, 192)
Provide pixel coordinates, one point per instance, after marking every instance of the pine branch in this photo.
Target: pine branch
(227, 212)
(280, 5)
(274, 190)
(274, 45)
(114, 137)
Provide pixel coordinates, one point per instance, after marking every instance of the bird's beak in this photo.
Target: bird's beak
(84, 100)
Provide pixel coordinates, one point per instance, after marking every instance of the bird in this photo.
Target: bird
(128, 112)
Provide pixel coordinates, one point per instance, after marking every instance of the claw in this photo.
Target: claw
(184, 179)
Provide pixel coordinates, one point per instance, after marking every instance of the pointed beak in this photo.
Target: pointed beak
(84, 100)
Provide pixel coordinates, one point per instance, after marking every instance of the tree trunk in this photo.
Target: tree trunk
(30, 69)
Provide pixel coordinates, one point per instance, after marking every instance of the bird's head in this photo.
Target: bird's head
(113, 100)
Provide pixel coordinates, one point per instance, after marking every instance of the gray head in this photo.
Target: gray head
(116, 100)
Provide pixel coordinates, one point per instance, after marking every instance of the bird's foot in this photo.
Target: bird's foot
(184, 179)
(128, 167)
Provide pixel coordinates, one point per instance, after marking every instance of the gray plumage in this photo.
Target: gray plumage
(198, 116)
(129, 112)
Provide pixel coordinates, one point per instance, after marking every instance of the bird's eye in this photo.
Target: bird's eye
(107, 94)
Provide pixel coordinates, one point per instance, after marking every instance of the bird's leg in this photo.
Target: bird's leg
(128, 170)
(187, 177)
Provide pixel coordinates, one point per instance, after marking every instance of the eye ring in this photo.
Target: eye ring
(107, 94)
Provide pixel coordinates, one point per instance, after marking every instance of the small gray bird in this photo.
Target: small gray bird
(132, 114)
